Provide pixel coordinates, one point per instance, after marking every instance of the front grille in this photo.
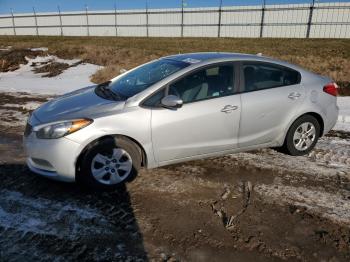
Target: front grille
(28, 130)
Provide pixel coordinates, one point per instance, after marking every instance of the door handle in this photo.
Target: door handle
(229, 108)
(294, 95)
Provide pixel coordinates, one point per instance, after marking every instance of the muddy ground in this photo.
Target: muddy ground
(253, 206)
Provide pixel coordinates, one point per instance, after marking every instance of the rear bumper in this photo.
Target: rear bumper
(52, 158)
(331, 118)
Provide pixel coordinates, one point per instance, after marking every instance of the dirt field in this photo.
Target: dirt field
(329, 57)
(255, 206)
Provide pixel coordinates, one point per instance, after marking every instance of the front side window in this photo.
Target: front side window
(207, 83)
(138, 80)
(258, 76)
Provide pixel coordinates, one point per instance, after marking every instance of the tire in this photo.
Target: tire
(110, 163)
(300, 139)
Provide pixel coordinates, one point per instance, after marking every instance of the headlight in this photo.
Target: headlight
(60, 129)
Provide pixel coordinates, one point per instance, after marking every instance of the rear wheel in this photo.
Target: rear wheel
(302, 136)
(110, 163)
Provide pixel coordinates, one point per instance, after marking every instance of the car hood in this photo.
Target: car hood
(82, 103)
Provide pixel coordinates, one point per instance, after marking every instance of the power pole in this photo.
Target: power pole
(219, 23)
(262, 19)
(36, 22)
(59, 15)
(13, 22)
(115, 18)
(310, 19)
(87, 20)
(147, 33)
(182, 18)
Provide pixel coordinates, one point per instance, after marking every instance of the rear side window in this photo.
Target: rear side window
(259, 76)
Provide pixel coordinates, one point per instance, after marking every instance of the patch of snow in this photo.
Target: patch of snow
(27, 106)
(342, 126)
(6, 48)
(329, 159)
(344, 105)
(47, 217)
(39, 49)
(49, 58)
(335, 207)
(343, 122)
(31, 105)
(25, 80)
(12, 118)
(344, 118)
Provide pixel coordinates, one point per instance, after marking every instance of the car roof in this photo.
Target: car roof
(206, 56)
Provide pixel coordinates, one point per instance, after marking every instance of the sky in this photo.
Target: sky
(25, 6)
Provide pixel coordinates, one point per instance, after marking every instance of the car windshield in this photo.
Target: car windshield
(143, 77)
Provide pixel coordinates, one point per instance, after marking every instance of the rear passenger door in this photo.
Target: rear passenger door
(207, 122)
(270, 98)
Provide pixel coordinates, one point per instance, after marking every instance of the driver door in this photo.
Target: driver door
(208, 121)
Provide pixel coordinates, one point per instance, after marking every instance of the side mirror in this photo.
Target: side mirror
(171, 102)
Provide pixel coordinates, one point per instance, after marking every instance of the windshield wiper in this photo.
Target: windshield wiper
(107, 92)
(104, 84)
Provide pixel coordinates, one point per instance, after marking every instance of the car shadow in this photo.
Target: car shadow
(42, 219)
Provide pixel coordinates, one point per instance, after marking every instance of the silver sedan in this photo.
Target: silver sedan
(175, 109)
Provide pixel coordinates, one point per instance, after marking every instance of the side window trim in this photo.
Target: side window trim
(238, 81)
(242, 77)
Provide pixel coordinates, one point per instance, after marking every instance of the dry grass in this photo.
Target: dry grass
(51, 69)
(325, 56)
(11, 59)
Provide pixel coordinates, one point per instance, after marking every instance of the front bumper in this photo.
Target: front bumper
(52, 158)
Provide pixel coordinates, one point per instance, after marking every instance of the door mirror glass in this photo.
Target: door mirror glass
(172, 101)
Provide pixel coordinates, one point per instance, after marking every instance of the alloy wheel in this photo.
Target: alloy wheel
(111, 169)
(304, 136)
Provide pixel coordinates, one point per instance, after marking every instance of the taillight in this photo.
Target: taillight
(331, 88)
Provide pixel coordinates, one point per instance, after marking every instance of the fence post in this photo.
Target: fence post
(115, 19)
(87, 21)
(219, 24)
(36, 22)
(59, 15)
(147, 34)
(182, 18)
(262, 19)
(310, 19)
(13, 23)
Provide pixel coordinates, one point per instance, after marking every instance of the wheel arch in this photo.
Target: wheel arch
(319, 120)
(316, 115)
(111, 137)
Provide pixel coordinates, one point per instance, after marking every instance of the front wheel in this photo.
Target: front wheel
(302, 136)
(109, 164)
